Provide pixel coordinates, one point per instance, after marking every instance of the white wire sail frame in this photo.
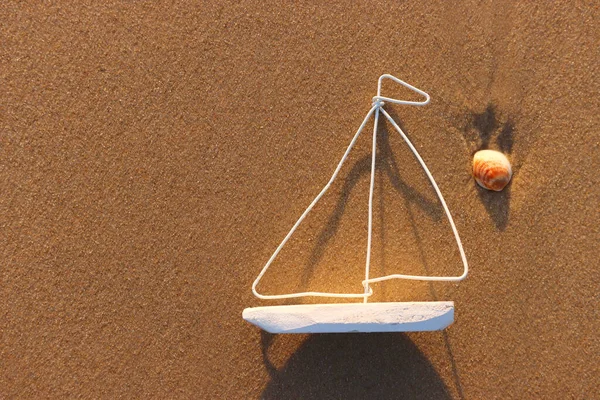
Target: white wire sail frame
(377, 108)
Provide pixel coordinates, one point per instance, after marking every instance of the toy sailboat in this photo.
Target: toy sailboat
(361, 316)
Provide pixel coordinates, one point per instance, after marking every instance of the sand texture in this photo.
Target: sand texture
(154, 154)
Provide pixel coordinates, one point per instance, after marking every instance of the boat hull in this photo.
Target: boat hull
(353, 317)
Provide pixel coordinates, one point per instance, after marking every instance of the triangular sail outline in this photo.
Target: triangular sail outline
(378, 102)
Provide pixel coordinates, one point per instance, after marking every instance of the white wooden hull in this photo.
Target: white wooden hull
(353, 317)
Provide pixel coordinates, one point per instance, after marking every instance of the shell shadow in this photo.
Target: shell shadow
(353, 366)
(497, 204)
(479, 131)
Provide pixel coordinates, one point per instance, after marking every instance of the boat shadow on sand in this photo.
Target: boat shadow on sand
(353, 366)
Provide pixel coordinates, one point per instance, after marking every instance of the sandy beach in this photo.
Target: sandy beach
(153, 156)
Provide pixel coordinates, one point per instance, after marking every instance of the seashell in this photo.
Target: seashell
(491, 169)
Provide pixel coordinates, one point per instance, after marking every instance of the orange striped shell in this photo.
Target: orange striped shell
(491, 169)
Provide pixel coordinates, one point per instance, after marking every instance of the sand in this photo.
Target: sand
(153, 155)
